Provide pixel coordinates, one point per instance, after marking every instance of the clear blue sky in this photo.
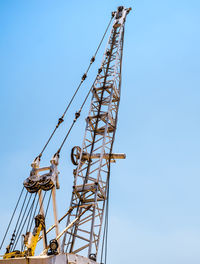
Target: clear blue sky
(45, 47)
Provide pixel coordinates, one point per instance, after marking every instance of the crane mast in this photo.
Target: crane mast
(91, 177)
(88, 211)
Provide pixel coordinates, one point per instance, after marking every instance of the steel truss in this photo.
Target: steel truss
(91, 177)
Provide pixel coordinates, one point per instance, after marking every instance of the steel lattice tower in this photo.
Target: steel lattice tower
(91, 177)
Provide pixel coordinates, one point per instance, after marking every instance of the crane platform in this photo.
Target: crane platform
(54, 259)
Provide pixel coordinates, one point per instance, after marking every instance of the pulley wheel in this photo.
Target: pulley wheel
(75, 155)
(31, 186)
(46, 183)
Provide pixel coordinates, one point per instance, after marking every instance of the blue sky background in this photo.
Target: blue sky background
(45, 47)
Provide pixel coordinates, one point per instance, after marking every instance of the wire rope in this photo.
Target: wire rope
(105, 235)
(29, 221)
(48, 204)
(77, 115)
(22, 224)
(61, 119)
(11, 218)
(14, 232)
(72, 237)
(42, 201)
(34, 214)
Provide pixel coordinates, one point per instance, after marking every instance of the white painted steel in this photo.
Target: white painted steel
(91, 176)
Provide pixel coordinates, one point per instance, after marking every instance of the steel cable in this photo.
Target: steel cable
(61, 119)
(30, 217)
(77, 115)
(105, 236)
(89, 163)
(14, 232)
(21, 225)
(42, 202)
(34, 214)
(11, 218)
(48, 204)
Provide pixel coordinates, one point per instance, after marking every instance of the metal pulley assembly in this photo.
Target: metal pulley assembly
(53, 247)
(31, 185)
(46, 181)
(76, 154)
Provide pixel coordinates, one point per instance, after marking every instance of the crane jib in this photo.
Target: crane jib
(80, 242)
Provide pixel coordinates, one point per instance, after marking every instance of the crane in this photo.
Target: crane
(87, 216)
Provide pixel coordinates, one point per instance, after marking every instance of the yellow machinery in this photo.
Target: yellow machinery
(30, 240)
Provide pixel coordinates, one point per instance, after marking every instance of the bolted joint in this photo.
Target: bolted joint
(113, 14)
(128, 10)
(120, 8)
(84, 77)
(99, 70)
(60, 120)
(77, 114)
(93, 257)
(108, 53)
(92, 59)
